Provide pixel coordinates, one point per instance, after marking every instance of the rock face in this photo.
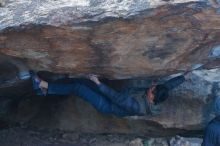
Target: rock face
(117, 40)
(158, 41)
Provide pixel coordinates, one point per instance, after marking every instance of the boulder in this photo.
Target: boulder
(139, 40)
(118, 40)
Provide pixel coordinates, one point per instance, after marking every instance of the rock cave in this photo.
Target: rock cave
(122, 41)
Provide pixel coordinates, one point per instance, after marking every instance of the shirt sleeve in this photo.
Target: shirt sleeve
(174, 82)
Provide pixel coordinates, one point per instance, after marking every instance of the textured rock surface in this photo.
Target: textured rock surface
(116, 39)
(60, 12)
(156, 41)
(33, 137)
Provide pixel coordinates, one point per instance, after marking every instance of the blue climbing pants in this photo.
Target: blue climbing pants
(102, 97)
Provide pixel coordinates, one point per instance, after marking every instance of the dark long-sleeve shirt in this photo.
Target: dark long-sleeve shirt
(174, 82)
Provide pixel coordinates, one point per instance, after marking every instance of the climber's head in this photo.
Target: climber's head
(157, 94)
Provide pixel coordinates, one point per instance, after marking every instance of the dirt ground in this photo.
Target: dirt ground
(17, 136)
(23, 136)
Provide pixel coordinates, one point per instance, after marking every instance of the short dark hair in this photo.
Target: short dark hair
(160, 94)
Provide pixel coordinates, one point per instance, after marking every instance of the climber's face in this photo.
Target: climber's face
(150, 94)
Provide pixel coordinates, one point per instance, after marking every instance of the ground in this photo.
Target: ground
(26, 136)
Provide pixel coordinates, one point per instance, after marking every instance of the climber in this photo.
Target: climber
(212, 132)
(110, 101)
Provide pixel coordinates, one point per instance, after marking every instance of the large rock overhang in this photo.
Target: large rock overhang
(154, 42)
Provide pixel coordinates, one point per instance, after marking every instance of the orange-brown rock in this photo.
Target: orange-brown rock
(156, 42)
